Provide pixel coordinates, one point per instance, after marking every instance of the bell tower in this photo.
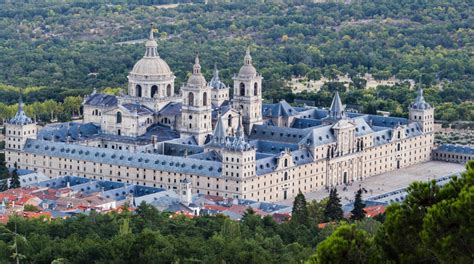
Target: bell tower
(248, 94)
(196, 119)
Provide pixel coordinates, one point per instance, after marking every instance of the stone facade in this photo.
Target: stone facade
(233, 147)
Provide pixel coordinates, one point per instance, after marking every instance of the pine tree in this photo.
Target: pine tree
(15, 179)
(299, 214)
(333, 210)
(358, 212)
(3, 185)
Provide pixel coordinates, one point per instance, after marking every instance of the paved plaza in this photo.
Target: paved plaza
(389, 181)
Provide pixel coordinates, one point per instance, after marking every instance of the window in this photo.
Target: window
(154, 90)
(138, 91)
(119, 118)
(255, 89)
(204, 99)
(191, 99)
(229, 121)
(168, 90)
(242, 89)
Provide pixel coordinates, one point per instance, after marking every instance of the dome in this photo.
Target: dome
(197, 80)
(151, 66)
(247, 70)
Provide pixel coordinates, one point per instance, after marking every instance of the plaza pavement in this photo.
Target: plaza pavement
(388, 181)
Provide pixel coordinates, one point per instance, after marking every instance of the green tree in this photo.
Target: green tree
(358, 212)
(346, 245)
(448, 225)
(333, 210)
(316, 211)
(15, 178)
(299, 214)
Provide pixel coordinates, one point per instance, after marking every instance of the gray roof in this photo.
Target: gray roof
(219, 135)
(281, 108)
(20, 117)
(68, 131)
(336, 110)
(124, 158)
(420, 102)
(279, 134)
(382, 137)
(171, 109)
(138, 108)
(215, 81)
(460, 149)
(305, 123)
(319, 136)
(273, 147)
(102, 100)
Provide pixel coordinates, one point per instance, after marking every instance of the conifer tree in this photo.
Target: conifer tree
(333, 210)
(3, 185)
(15, 179)
(299, 214)
(358, 212)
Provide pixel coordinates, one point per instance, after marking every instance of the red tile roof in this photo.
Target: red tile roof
(375, 210)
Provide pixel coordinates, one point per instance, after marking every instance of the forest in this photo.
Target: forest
(432, 225)
(59, 49)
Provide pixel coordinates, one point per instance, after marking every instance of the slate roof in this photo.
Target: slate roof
(273, 147)
(171, 109)
(72, 131)
(279, 134)
(382, 137)
(209, 155)
(101, 100)
(305, 123)
(456, 149)
(281, 108)
(140, 109)
(318, 136)
(124, 158)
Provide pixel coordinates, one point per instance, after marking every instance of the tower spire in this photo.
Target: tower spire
(151, 45)
(219, 132)
(216, 72)
(337, 109)
(248, 57)
(197, 66)
(20, 101)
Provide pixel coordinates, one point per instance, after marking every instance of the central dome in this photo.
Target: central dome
(151, 66)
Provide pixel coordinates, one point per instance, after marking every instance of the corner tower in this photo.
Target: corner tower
(196, 110)
(248, 94)
(422, 113)
(17, 131)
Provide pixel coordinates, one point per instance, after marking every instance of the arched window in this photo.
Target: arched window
(286, 175)
(242, 89)
(119, 118)
(168, 90)
(191, 99)
(255, 89)
(154, 90)
(229, 121)
(286, 162)
(204, 99)
(138, 91)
